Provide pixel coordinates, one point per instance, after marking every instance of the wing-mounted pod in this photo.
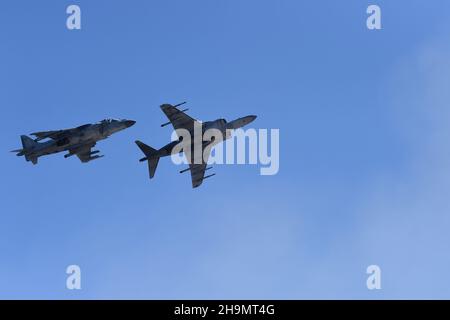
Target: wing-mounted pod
(95, 157)
(198, 182)
(187, 169)
(90, 157)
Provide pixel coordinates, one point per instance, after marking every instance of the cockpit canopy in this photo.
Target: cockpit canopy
(110, 120)
(219, 124)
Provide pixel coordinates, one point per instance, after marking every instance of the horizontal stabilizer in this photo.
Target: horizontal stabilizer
(152, 164)
(147, 150)
(151, 155)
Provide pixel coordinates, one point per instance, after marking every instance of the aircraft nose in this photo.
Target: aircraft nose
(239, 123)
(251, 118)
(129, 123)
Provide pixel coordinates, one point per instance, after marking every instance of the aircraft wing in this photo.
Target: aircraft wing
(58, 134)
(55, 134)
(198, 171)
(178, 118)
(84, 152)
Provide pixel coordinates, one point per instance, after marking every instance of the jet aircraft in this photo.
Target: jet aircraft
(77, 141)
(180, 120)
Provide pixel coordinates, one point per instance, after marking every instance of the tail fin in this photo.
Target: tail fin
(151, 155)
(27, 142)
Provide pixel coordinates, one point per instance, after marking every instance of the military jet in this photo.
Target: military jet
(180, 120)
(77, 141)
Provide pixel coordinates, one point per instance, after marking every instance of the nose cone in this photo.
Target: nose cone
(129, 123)
(239, 123)
(250, 118)
(245, 120)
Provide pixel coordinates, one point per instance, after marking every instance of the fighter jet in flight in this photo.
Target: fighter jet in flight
(77, 141)
(181, 120)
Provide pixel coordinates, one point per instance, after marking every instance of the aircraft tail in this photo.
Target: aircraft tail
(27, 144)
(151, 155)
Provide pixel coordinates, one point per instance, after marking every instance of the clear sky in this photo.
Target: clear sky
(364, 149)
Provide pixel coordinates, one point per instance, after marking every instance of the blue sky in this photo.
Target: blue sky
(364, 157)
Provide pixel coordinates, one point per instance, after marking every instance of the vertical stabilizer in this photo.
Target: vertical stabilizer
(28, 145)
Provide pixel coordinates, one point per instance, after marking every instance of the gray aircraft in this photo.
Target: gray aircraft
(77, 141)
(181, 120)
